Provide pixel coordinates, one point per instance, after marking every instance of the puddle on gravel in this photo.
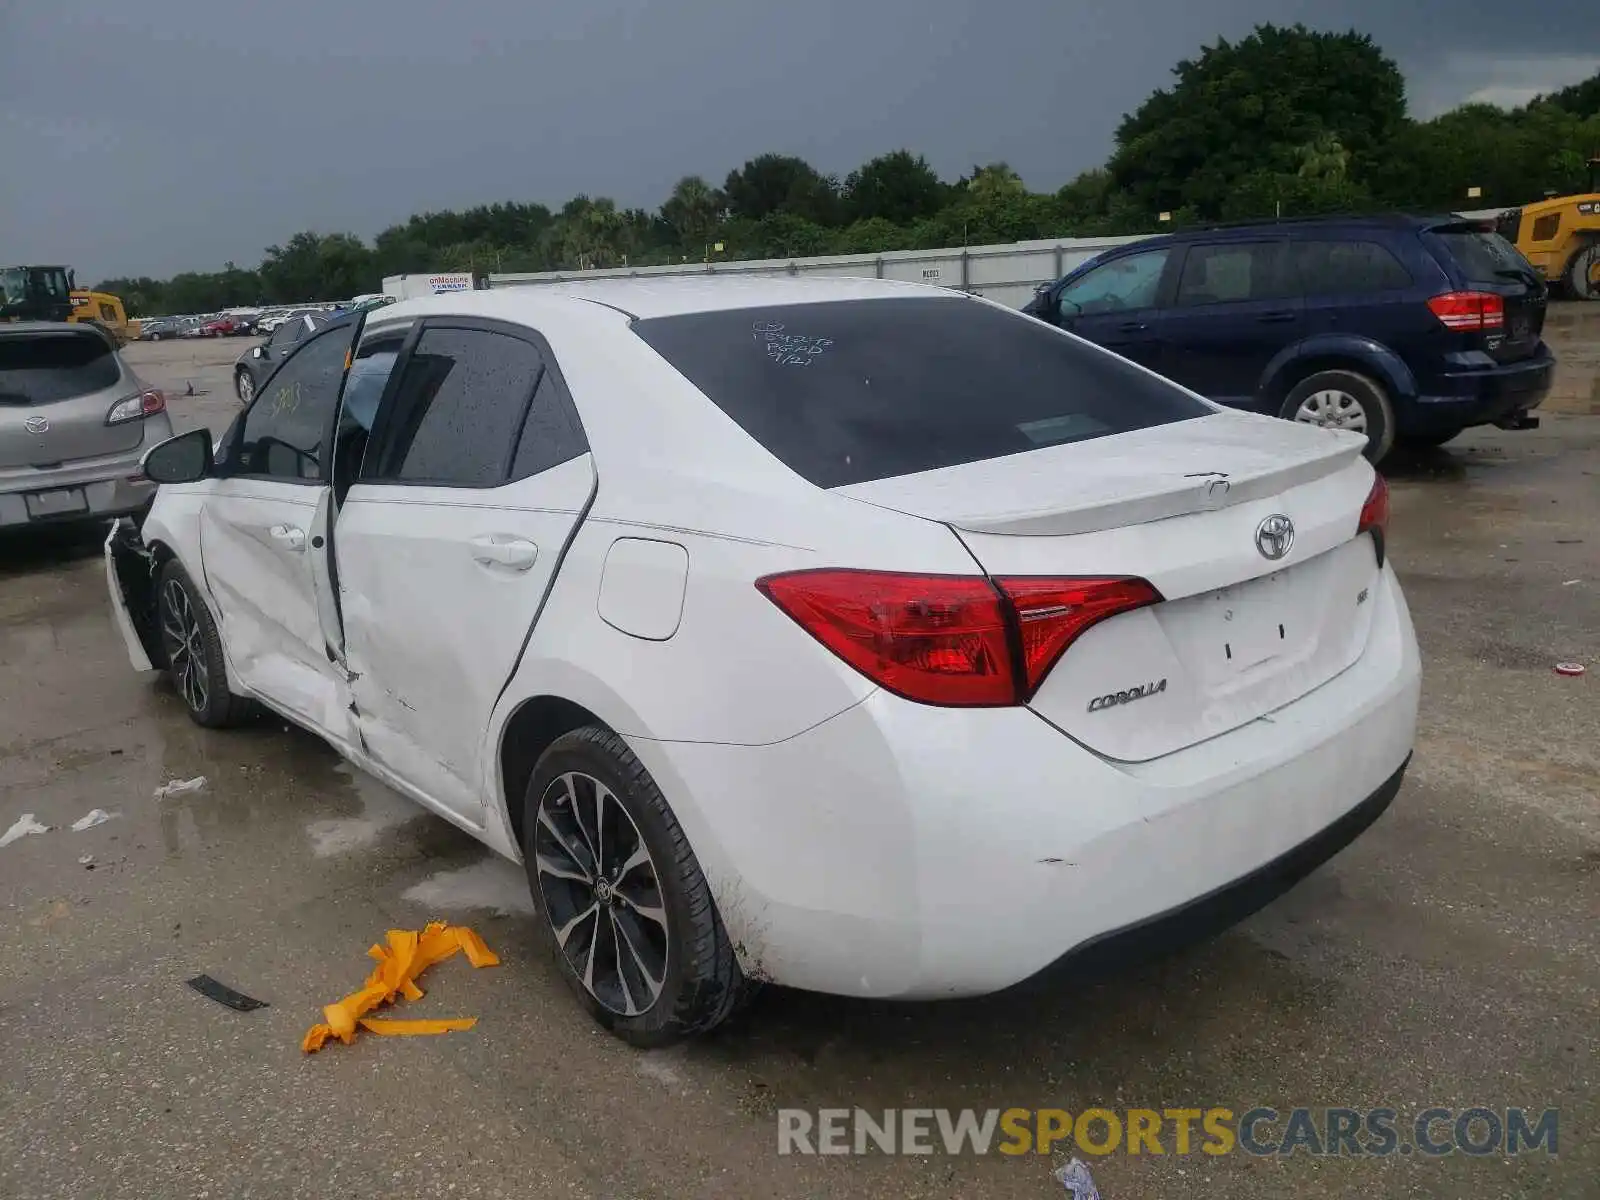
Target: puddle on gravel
(494, 885)
(382, 809)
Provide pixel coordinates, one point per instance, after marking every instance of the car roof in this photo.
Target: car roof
(666, 296)
(1340, 225)
(77, 328)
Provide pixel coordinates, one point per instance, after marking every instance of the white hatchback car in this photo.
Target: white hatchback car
(867, 638)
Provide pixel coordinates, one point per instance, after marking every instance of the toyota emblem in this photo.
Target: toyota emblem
(36, 425)
(1274, 536)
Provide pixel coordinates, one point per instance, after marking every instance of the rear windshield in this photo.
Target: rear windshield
(848, 391)
(44, 368)
(1485, 257)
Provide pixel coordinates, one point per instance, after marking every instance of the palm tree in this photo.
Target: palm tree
(694, 210)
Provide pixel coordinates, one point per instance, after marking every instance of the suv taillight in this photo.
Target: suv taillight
(951, 640)
(1469, 310)
(1375, 515)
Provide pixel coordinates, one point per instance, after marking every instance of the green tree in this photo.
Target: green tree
(1252, 106)
(694, 210)
(899, 187)
(774, 183)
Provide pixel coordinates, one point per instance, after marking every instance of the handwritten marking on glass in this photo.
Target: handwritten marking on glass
(788, 349)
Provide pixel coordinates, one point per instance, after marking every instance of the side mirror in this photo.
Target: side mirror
(182, 459)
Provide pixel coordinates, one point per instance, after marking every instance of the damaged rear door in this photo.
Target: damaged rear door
(475, 479)
(262, 536)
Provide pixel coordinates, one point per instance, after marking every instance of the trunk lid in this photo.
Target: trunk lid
(1237, 634)
(56, 386)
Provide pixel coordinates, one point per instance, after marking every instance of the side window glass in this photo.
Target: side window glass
(285, 426)
(1229, 273)
(458, 410)
(551, 435)
(1127, 283)
(1345, 268)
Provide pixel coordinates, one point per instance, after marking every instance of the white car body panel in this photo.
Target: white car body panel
(855, 842)
(441, 586)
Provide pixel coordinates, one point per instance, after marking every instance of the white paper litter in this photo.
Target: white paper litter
(180, 787)
(95, 816)
(24, 826)
(86, 861)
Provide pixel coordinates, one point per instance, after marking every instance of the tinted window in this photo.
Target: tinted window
(285, 427)
(849, 391)
(458, 410)
(43, 368)
(551, 435)
(286, 333)
(1485, 257)
(1346, 268)
(1126, 283)
(1229, 273)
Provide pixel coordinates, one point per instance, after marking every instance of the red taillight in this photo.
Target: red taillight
(152, 401)
(953, 640)
(1375, 514)
(1469, 310)
(1053, 613)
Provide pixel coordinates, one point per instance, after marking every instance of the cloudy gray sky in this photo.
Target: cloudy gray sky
(164, 135)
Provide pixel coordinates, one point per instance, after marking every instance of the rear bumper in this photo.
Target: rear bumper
(903, 851)
(105, 498)
(112, 486)
(1458, 399)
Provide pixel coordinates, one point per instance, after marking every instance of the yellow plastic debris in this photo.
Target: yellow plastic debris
(407, 954)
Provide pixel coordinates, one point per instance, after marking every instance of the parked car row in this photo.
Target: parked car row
(248, 322)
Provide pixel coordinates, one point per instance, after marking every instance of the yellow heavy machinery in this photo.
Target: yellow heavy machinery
(105, 310)
(1561, 237)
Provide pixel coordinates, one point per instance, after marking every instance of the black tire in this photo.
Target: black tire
(1376, 415)
(701, 984)
(193, 650)
(1580, 270)
(155, 337)
(243, 380)
(1427, 441)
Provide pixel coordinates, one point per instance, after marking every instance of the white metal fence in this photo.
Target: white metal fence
(1008, 273)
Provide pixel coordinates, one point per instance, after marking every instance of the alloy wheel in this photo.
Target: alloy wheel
(1332, 409)
(601, 893)
(180, 635)
(245, 386)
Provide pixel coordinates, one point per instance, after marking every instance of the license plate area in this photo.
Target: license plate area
(1248, 625)
(58, 502)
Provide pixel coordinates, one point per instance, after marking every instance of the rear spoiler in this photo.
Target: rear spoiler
(1456, 223)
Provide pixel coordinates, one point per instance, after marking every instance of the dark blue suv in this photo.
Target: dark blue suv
(1403, 328)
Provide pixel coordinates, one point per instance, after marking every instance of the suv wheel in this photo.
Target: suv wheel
(245, 385)
(627, 913)
(1344, 400)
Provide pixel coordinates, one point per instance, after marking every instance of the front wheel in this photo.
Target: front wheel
(627, 912)
(1583, 273)
(1340, 399)
(245, 385)
(193, 649)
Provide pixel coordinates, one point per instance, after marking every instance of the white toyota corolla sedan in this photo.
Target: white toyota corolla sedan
(862, 637)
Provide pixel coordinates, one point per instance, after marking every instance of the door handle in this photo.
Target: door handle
(1132, 327)
(289, 537)
(498, 550)
(1277, 318)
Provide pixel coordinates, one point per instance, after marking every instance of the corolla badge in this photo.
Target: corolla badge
(1274, 536)
(36, 425)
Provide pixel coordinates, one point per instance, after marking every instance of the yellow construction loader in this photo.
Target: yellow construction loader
(1561, 237)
